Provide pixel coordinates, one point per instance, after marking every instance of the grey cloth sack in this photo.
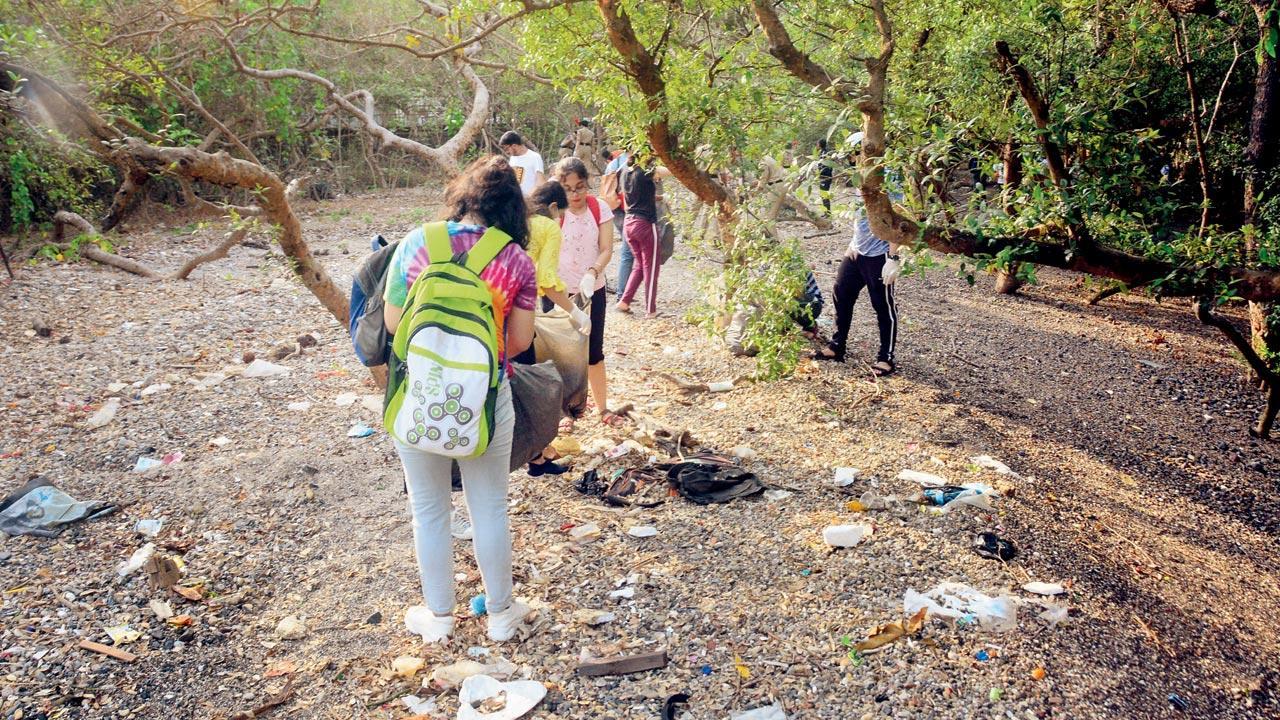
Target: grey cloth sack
(536, 396)
(556, 339)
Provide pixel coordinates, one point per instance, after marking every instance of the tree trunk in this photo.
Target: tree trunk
(1260, 160)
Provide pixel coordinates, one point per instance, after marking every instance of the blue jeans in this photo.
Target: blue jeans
(625, 258)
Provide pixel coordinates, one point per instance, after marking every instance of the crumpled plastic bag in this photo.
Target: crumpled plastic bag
(768, 712)
(40, 509)
(511, 700)
(959, 602)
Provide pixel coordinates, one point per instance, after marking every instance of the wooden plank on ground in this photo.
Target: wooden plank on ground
(115, 652)
(623, 664)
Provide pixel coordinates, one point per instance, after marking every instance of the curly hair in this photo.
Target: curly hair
(488, 190)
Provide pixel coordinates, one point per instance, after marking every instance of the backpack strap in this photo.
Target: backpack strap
(486, 249)
(439, 248)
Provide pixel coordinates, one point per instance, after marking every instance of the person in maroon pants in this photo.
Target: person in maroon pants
(641, 230)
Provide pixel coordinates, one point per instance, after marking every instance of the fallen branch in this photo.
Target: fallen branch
(63, 219)
(1107, 292)
(1268, 377)
(690, 388)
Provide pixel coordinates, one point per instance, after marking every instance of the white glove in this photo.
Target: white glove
(892, 269)
(580, 320)
(588, 284)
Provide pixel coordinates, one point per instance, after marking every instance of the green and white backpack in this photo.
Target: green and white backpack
(444, 369)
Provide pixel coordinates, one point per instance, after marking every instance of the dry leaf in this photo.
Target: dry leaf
(190, 593)
(284, 667)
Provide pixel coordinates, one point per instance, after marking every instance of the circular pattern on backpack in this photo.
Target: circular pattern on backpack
(464, 416)
(453, 391)
(436, 411)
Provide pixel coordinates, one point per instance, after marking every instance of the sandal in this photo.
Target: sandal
(612, 419)
(821, 354)
(883, 368)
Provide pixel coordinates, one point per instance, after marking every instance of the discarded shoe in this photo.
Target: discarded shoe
(993, 547)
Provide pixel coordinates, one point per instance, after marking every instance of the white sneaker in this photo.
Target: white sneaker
(433, 628)
(504, 625)
(459, 525)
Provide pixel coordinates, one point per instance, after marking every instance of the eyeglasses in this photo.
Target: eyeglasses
(575, 190)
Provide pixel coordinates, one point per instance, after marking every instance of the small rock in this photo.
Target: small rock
(41, 328)
(374, 619)
(307, 340)
(248, 357)
(291, 628)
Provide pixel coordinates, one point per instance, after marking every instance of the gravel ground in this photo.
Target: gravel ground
(1137, 487)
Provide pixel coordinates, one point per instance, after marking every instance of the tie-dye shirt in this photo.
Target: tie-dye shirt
(510, 276)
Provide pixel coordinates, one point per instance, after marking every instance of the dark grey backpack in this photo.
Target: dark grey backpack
(369, 336)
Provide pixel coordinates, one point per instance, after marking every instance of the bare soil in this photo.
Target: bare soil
(1139, 488)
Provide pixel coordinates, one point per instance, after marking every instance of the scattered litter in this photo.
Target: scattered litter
(990, 463)
(846, 535)
(642, 531)
(359, 430)
(719, 405)
(486, 698)
(419, 706)
(263, 369)
(625, 593)
(452, 675)
(1178, 702)
(924, 479)
(722, 386)
(148, 528)
(161, 608)
(136, 560)
(477, 651)
(154, 388)
(38, 508)
(742, 452)
(171, 458)
(346, 399)
(1054, 614)
(220, 441)
(1038, 674)
(872, 500)
(845, 476)
(593, 617)
(566, 446)
(982, 656)
(626, 446)
(993, 547)
(776, 494)
(105, 414)
(585, 533)
(964, 605)
(407, 666)
(1044, 588)
(768, 712)
(291, 628)
(622, 664)
(123, 634)
(300, 406)
(949, 497)
(478, 605)
(145, 463)
(995, 694)
(890, 632)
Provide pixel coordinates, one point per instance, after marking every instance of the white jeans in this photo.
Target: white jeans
(484, 480)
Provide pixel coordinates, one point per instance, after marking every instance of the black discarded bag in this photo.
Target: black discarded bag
(708, 480)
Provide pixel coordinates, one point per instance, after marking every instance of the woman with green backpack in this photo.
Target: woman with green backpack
(460, 298)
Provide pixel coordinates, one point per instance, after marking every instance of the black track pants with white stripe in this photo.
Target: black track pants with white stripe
(854, 275)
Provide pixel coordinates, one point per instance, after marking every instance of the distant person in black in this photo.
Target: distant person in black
(826, 170)
(640, 227)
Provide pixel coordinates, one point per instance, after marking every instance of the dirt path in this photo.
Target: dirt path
(1138, 487)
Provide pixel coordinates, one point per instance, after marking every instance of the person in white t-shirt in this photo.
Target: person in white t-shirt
(527, 163)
